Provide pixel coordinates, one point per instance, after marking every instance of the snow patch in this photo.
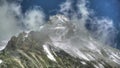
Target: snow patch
(49, 55)
(1, 61)
(115, 58)
(3, 44)
(83, 62)
(27, 32)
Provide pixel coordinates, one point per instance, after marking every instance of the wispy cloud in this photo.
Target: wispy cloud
(105, 27)
(104, 30)
(66, 7)
(12, 19)
(34, 19)
(8, 19)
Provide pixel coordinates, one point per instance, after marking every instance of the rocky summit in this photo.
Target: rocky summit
(58, 44)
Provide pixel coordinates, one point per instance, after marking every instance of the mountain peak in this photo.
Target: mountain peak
(58, 45)
(59, 18)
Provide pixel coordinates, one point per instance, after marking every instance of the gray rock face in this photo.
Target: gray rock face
(58, 44)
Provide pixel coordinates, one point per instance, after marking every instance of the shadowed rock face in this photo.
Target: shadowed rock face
(40, 49)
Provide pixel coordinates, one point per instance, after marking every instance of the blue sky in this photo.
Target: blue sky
(48, 6)
(107, 8)
(101, 9)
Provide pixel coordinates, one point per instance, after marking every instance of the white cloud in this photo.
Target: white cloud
(8, 20)
(105, 30)
(11, 16)
(34, 19)
(66, 7)
(11, 19)
(105, 27)
(82, 9)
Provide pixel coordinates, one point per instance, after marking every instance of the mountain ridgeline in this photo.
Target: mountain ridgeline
(58, 44)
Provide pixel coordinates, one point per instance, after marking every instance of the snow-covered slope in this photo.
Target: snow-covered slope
(79, 43)
(61, 43)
